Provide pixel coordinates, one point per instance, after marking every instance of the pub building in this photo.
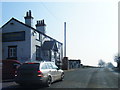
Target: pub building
(22, 42)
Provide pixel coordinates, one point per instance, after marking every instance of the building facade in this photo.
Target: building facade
(22, 42)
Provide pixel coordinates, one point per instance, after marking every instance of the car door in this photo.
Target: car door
(52, 71)
(45, 69)
(57, 72)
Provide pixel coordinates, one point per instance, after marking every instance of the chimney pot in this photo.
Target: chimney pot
(40, 26)
(43, 21)
(30, 13)
(28, 18)
(27, 14)
(37, 22)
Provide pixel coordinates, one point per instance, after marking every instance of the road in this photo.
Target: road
(82, 78)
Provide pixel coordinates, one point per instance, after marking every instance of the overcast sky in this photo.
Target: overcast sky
(92, 26)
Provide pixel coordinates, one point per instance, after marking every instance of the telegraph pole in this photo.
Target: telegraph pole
(65, 63)
(64, 39)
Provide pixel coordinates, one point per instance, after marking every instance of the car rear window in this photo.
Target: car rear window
(26, 66)
(44, 66)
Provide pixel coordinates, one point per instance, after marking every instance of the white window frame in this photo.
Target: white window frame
(12, 51)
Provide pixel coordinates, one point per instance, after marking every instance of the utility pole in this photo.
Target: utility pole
(64, 39)
(65, 63)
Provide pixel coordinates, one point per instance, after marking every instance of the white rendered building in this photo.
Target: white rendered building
(22, 42)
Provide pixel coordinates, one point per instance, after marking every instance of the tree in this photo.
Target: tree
(110, 65)
(101, 63)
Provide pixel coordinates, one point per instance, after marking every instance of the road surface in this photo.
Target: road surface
(82, 78)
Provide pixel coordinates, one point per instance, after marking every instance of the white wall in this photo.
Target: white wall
(23, 47)
(41, 29)
(26, 50)
(34, 42)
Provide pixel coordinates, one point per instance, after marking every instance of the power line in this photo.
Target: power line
(59, 20)
(50, 12)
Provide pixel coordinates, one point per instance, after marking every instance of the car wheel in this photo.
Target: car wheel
(49, 81)
(62, 77)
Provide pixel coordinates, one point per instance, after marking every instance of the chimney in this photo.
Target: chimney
(40, 26)
(29, 18)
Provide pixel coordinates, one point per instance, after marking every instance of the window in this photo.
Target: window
(38, 54)
(44, 66)
(50, 66)
(52, 55)
(54, 66)
(12, 52)
(13, 36)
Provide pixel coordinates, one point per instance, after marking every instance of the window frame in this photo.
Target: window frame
(38, 53)
(12, 54)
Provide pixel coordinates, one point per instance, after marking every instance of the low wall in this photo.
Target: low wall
(70, 63)
(65, 63)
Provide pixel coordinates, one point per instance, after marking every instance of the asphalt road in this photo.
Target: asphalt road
(81, 78)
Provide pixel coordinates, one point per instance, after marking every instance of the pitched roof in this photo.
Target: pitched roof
(29, 27)
(17, 21)
(49, 45)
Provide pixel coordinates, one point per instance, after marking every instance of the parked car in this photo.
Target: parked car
(9, 68)
(38, 73)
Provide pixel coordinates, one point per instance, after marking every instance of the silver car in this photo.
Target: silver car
(43, 73)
